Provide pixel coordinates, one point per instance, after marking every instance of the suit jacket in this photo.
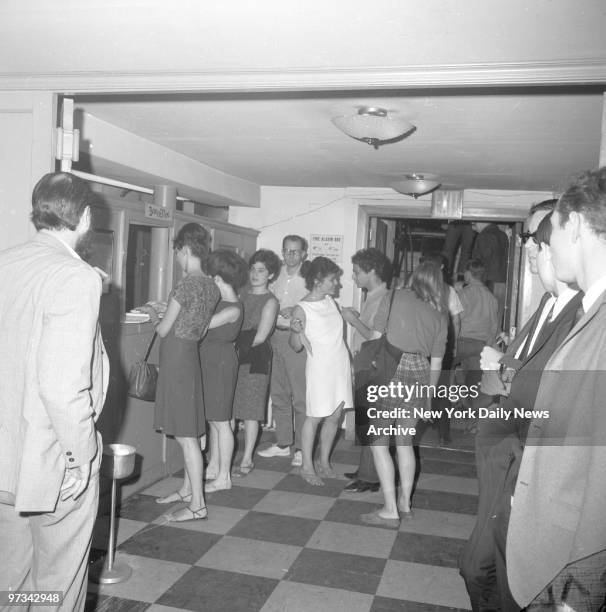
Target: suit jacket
(53, 370)
(492, 247)
(557, 515)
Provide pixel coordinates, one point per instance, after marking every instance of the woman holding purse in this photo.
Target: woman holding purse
(179, 410)
(414, 323)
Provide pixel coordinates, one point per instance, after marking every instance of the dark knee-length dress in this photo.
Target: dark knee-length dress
(250, 400)
(179, 407)
(219, 363)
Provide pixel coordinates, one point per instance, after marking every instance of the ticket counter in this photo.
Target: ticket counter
(135, 249)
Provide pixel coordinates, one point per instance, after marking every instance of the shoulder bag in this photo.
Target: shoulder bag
(143, 377)
(377, 360)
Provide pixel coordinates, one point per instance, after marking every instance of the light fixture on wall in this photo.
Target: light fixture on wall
(374, 125)
(417, 184)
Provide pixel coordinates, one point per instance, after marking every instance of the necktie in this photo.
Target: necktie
(531, 332)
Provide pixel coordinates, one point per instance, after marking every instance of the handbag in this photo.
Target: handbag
(143, 377)
(377, 360)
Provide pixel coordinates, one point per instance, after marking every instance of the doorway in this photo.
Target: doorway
(406, 239)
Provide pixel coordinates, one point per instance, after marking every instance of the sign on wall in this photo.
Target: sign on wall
(158, 212)
(326, 245)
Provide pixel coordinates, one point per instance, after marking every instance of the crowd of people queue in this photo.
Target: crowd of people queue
(232, 330)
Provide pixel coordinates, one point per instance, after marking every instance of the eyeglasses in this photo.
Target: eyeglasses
(291, 251)
(524, 237)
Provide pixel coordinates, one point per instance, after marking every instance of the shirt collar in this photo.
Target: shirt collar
(380, 289)
(55, 236)
(562, 300)
(593, 293)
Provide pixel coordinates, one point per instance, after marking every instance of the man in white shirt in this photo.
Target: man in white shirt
(556, 538)
(371, 271)
(288, 367)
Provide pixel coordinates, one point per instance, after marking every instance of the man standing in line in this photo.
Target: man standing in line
(556, 534)
(288, 367)
(492, 248)
(478, 326)
(53, 378)
(499, 441)
(371, 271)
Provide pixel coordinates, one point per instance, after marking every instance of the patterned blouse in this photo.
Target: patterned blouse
(198, 297)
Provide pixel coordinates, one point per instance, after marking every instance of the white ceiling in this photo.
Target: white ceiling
(505, 95)
(509, 141)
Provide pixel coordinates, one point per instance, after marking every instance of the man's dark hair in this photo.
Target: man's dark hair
(229, 266)
(59, 200)
(373, 259)
(543, 231)
(269, 259)
(319, 269)
(295, 238)
(548, 205)
(586, 196)
(476, 268)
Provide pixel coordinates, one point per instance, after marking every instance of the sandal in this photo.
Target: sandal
(243, 471)
(184, 518)
(174, 498)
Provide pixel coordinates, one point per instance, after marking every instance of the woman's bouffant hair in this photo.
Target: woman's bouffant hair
(229, 266)
(269, 259)
(197, 239)
(427, 283)
(318, 270)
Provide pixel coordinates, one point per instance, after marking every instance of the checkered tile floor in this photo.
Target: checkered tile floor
(274, 543)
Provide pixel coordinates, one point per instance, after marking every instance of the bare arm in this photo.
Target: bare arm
(353, 318)
(170, 316)
(267, 322)
(297, 327)
(227, 315)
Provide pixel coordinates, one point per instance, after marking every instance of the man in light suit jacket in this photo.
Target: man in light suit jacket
(556, 538)
(53, 377)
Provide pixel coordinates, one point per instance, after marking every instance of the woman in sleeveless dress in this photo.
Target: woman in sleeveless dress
(317, 326)
(220, 365)
(254, 350)
(179, 409)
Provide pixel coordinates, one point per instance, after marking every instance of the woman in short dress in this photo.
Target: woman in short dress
(417, 325)
(317, 325)
(179, 408)
(220, 365)
(254, 350)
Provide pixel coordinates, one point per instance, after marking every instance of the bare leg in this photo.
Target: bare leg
(327, 437)
(387, 477)
(212, 469)
(194, 470)
(225, 450)
(406, 465)
(251, 431)
(308, 435)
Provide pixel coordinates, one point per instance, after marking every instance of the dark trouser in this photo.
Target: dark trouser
(366, 468)
(458, 232)
(478, 560)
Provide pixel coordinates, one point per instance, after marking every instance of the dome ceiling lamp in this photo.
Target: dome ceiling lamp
(417, 184)
(374, 126)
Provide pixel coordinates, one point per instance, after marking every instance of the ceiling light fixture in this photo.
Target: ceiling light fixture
(417, 184)
(374, 125)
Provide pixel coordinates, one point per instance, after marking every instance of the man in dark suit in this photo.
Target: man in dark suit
(499, 439)
(556, 535)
